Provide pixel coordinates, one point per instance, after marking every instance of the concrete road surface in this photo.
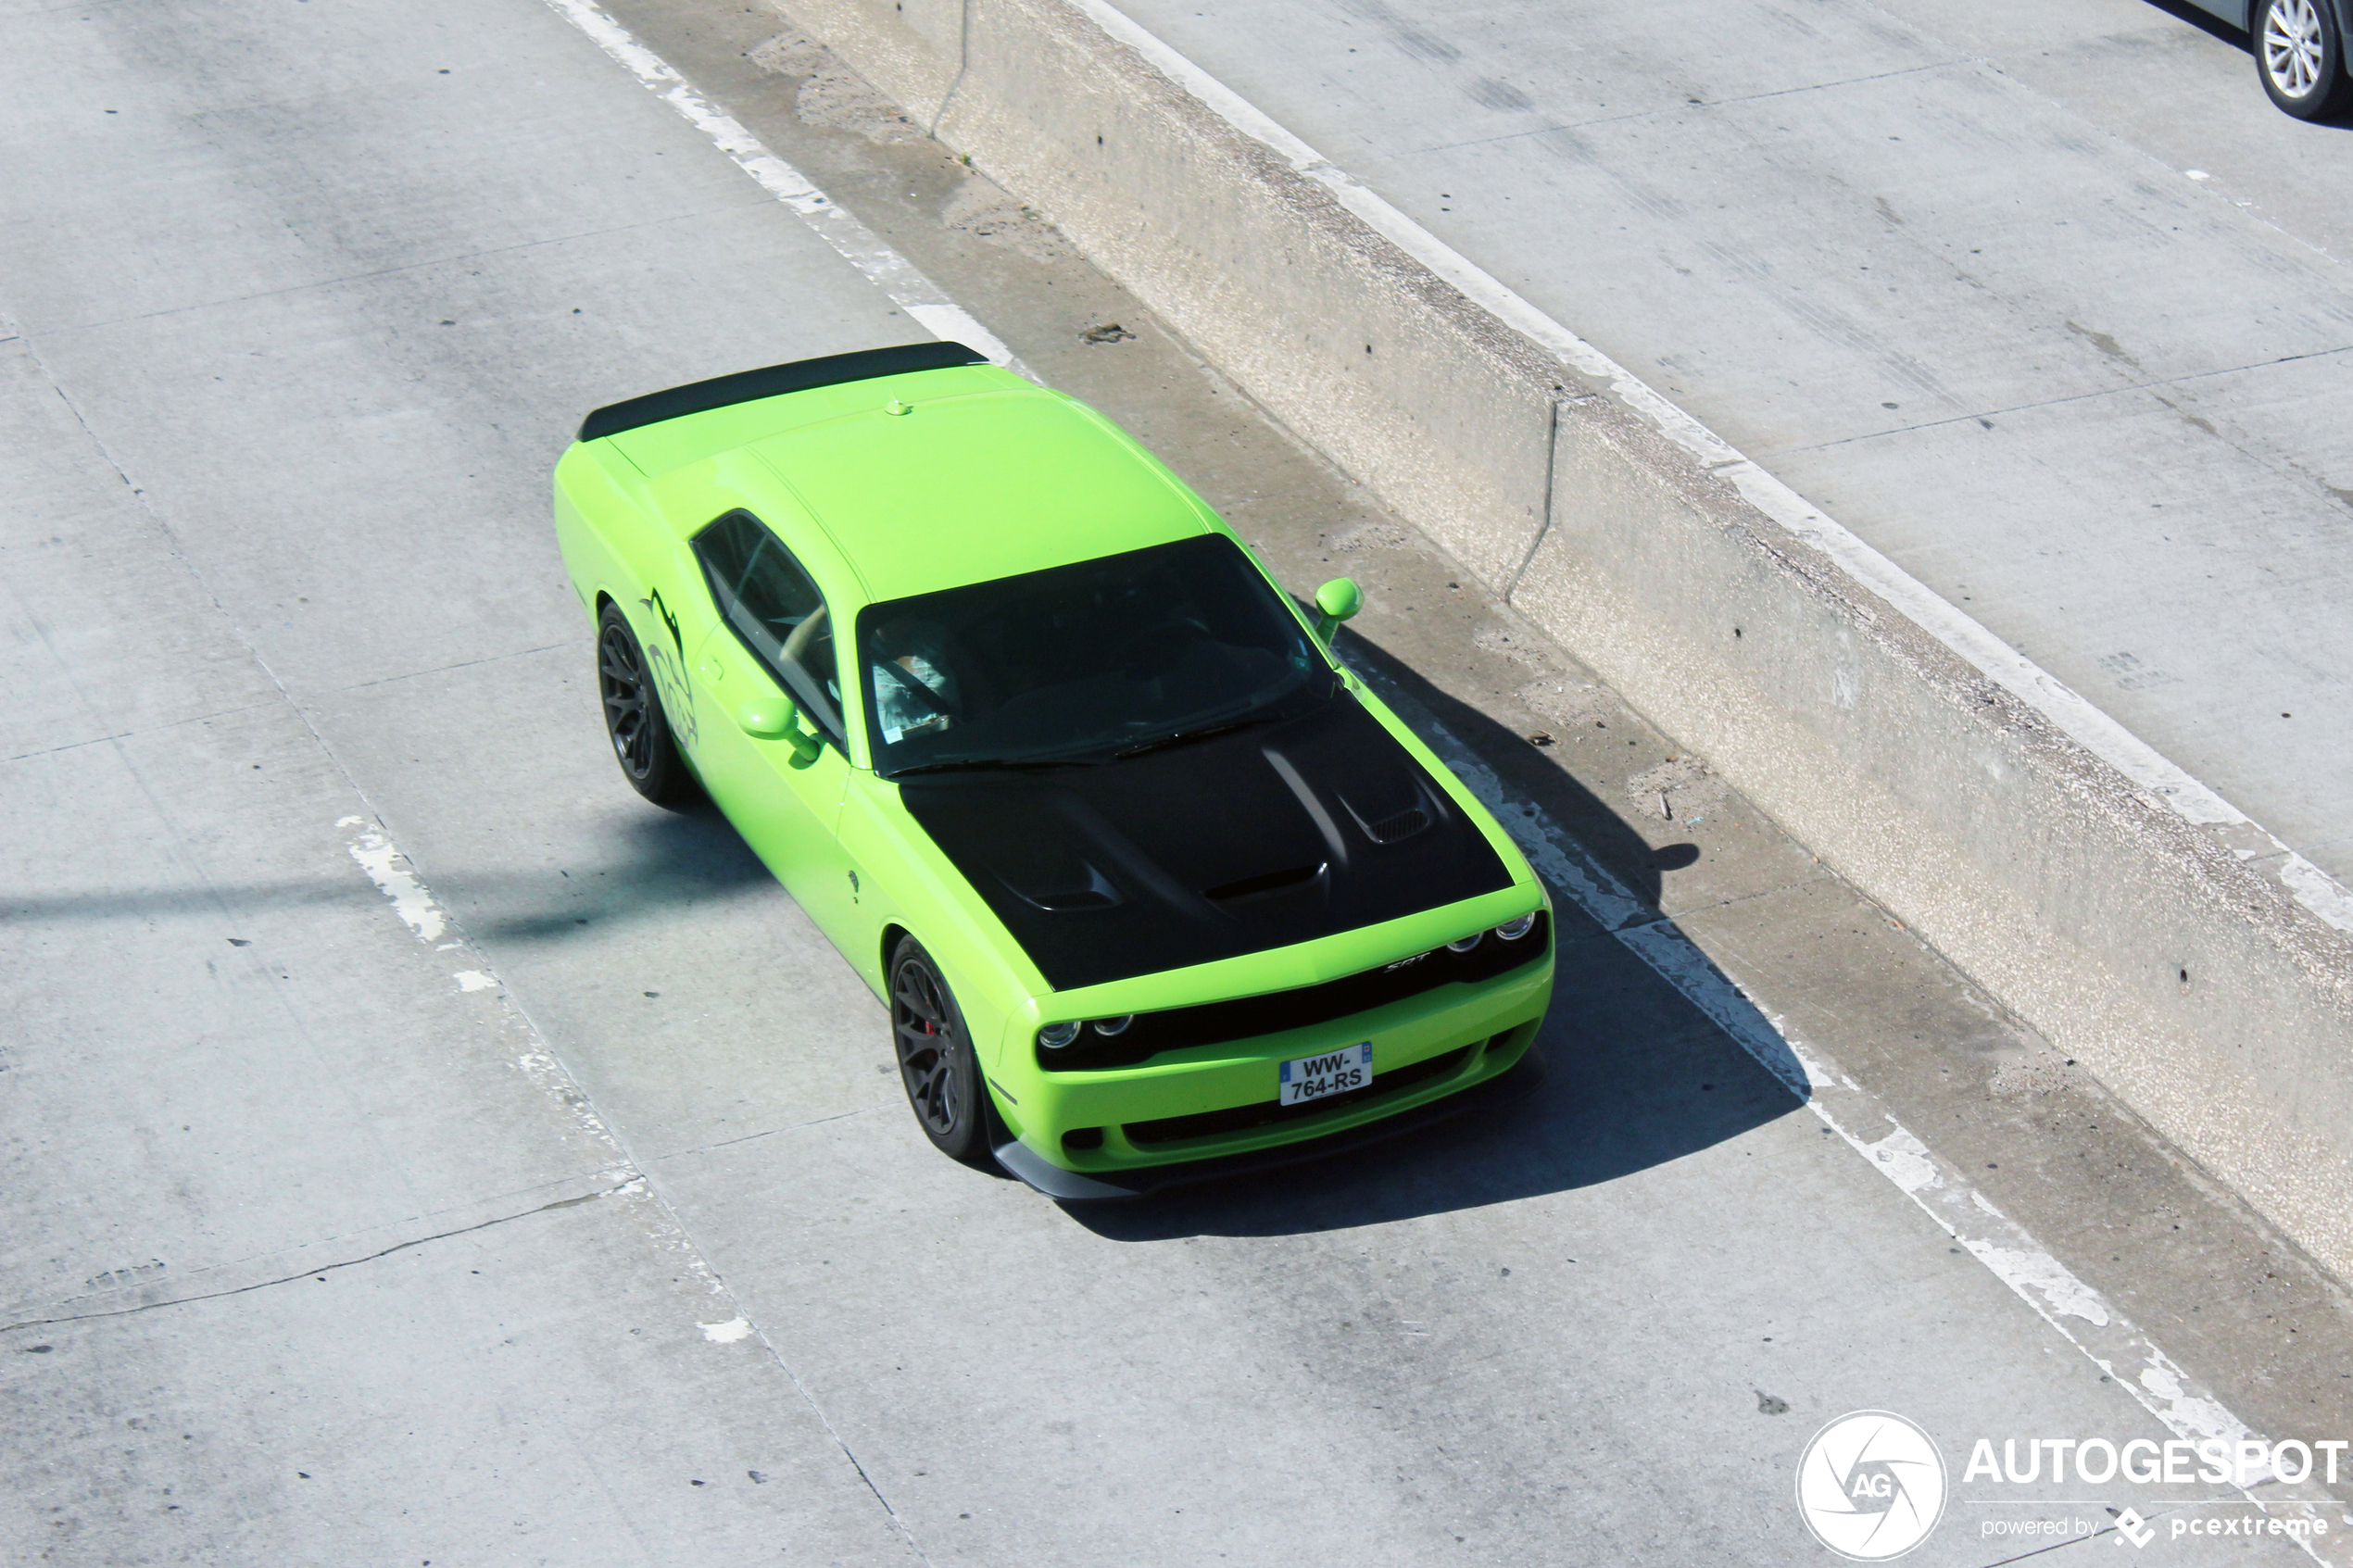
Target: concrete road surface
(2040, 297)
(417, 1149)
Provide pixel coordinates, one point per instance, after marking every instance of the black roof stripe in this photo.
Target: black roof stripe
(744, 386)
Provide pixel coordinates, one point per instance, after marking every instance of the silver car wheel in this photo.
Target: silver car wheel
(2292, 46)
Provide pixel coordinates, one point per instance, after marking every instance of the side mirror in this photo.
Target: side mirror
(1335, 602)
(775, 718)
(768, 718)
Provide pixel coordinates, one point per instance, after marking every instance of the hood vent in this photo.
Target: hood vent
(1261, 885)
(1394, 815)
(1095, 893)
(1398, 826)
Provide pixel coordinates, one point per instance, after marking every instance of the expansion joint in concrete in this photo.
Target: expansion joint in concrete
(764, 1133)
(321, 1270)
(467, 664)
(1545, 523)
(964, 62)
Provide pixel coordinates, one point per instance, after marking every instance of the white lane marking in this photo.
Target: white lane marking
(394, 875)
(861, 246)
(2079, 1313)
(2088, 725)
(396, 878)
(2319, 892)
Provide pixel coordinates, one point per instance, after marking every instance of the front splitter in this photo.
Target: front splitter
(1516, 1082)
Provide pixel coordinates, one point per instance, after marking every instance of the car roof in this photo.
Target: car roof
(983, 475)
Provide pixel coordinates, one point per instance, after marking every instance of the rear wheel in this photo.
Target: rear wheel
(634, 719)
(2300, 56)
(936, 1060)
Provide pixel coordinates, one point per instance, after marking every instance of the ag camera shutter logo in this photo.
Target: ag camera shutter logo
(1870, 1486)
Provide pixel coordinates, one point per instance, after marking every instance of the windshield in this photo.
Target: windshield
(1083, 662)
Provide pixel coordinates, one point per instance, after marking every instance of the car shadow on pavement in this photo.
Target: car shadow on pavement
(2207, 22)
(1639, 1074)
(1637, 1077)
(1538, 775)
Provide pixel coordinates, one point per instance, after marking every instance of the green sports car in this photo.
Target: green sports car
(1152, 886)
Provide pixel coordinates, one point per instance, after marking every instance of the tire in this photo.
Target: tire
(936, 1061)
(634, 719)
(2300, 56)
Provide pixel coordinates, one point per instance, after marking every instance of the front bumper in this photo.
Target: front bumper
(1513, 1083)
(1196, 1103)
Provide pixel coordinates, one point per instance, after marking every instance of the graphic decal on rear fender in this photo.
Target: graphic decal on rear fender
(669, 621)
(669, 665)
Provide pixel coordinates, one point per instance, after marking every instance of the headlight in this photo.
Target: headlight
(1110, 1026)
(1054, 1036)
(1465, 944)
(1512, 929)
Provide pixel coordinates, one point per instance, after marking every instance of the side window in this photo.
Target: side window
(775, 612)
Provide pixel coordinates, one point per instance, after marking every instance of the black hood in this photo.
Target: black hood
(1261, 838)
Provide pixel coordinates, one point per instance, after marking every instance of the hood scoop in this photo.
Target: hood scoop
(1265, 884)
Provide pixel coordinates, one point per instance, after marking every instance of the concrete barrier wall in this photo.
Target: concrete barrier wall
(2074, 897)
(1940, 774)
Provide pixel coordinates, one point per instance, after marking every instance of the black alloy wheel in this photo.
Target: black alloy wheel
(634, 719)
(2300, 56)
(936, 1060)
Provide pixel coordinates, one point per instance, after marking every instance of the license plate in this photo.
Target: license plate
(1334, 1073)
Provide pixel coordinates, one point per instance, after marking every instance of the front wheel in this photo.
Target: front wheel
(2300, 56)
(936, 1060)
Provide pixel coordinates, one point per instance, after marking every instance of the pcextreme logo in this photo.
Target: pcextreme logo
(1870, 1486)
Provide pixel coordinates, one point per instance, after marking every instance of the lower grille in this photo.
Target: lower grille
(1267, 1112)
(1208, 1024)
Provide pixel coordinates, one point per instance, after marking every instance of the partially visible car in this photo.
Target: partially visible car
(2299, 50)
